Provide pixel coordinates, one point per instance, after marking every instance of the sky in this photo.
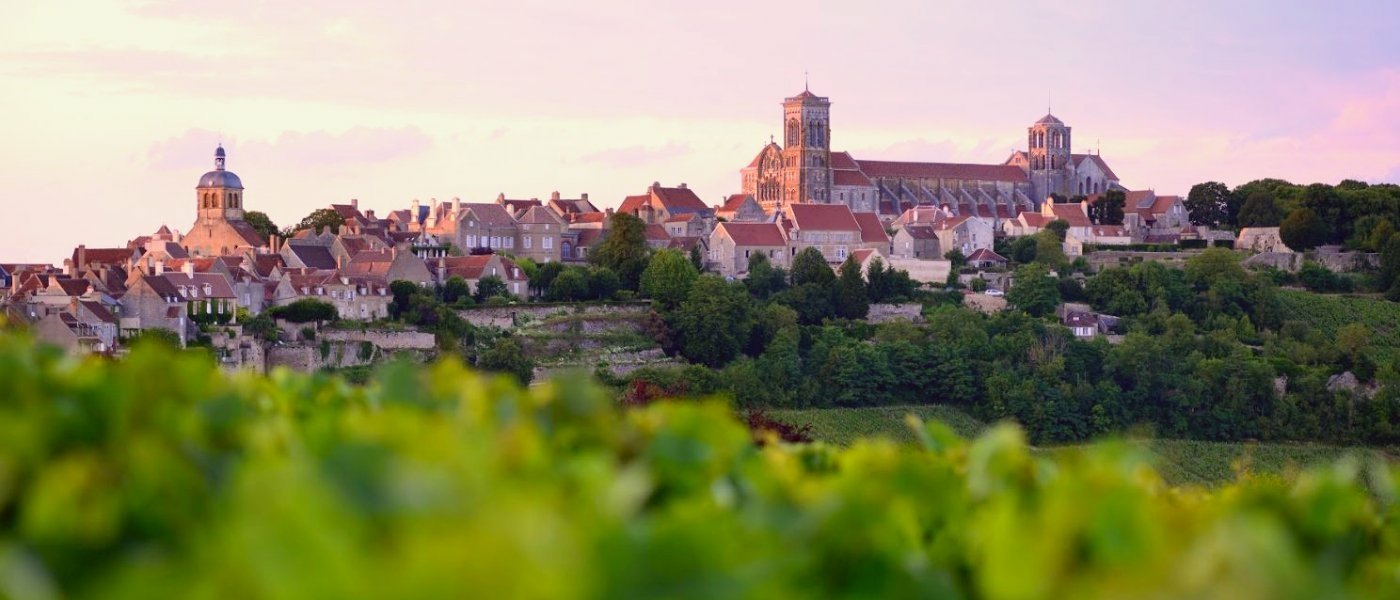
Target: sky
(112, 109)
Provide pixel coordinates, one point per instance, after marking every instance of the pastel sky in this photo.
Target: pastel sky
(112, 109)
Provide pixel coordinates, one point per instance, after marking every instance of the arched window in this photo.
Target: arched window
(793, 131)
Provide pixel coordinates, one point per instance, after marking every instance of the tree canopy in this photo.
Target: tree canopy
(261, 223)
(668, 277)
(321, 219)
(1108, 208)
(1303, 230)
(809, 266)
(624, 250)
(1034, 290)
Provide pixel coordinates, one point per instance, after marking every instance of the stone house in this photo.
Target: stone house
(916, 241)
(986, 258)
(473, 268)
(731, 245)
(830, 228)
(151, 302)
(485, 225)
(741, 208)
(389, 266)
(660, 204)
(541, 235)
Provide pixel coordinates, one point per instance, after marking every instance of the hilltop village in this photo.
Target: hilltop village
(943, 226)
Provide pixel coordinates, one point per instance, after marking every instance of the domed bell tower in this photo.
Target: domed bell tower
(806, 148)
(219, 194)
(1049, 155)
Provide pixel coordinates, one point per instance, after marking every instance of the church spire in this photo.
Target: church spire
(219, 158)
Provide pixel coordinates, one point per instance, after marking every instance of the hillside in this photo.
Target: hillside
(1180, 462)
(1328, 313)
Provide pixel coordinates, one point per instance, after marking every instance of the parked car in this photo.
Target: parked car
(995, 292)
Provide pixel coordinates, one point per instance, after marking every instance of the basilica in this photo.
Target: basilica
(805, 169)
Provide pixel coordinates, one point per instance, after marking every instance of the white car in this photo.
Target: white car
(995, 292)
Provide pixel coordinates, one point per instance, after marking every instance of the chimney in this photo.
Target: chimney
(501, 197)
(654, 185)
(69, 268)
(355, 203)
(456, 205)
(583, 196)
(340, 263)
(188, 267)
(608, 211)
(82, 256)
(682, 185)
(369, 214)
(554, 195)
(272, 243)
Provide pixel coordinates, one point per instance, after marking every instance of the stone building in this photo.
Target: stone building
(731, 245)
(219, 228)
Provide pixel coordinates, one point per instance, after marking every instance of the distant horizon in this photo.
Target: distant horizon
(322, 102)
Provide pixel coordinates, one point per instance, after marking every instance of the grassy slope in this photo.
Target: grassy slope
(1329, 313)
(1180, 462)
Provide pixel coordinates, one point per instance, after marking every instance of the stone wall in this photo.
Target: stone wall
(1286, 261)
(1346, 262)
(885, 313)
(296, 358)
(383, 339)
(506, 317)
(1104, 259)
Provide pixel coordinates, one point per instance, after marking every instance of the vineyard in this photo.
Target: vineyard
(159, 476)
(1329, 313)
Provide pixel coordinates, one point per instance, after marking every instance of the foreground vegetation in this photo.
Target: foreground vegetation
(160, 476)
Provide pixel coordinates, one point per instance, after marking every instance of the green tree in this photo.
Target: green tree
(1060, 227)
(1108, 209)
(155, 336)
(696, 259)
(261, 326)
(763, 279)
(603, 283)
(1388, 276)
(714, 321)
(1049, 249)
(544, 276)
(305, 310)
(571, 285)
(1034, 290)
(506, 356)
(1208, 204)
(879, 283)
(809, 266)
(1303, 230)
(852, 301)
(1023, 249)
(455, 288)
(490, 286)
(321, 219)
(1260, 210)
(261, 223)
(667, 278)
(1213, 265)
(956, 257)
(624, 250)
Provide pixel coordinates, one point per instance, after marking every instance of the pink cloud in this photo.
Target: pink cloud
(633, 156)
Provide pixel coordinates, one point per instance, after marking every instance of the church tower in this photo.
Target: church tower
(806, 148)
(1049, 155)
(219, 193)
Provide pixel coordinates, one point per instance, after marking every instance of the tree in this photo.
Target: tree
(956, 257)
(1059, 227)
(1388, 276)
(490, 286)
(852, 301)
(403, 292)
(321, 219)
(569, 286)
(696, 259)
(603, 283)
(261, 223)
(1260, 210)
(155, 336)
(1209, 204)
(262, 327)
(455, 288)
(1108, 209)
(1215, 264)
(879, 284)
(667, 278)
(305, 310)
(763, 279)
(1049, 249)
(506, 356)
(1303, 230)
(714, 321)
(809, 266)
(1023, 249)
(544, 276)
(1034, 290)
(624, 250)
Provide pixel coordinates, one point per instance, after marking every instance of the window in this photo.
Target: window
(526, 239)
(471, 241)
(746, 254)
(508, 241)
(548, 243)
(841, 252)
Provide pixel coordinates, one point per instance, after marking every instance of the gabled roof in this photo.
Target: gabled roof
(823, 217)
(99, 311)
(842, 161)
(920, 232)
(657, 233)
(1071, 213)
(73, 287)
(733, 202)
(1080, 319)
(539, 214)
(466, 267)
(674, 200)
(489, 214)
(686, 242)
(985, 255)
(1097, 160)
(921, 170)
(851, 179)
(518, 207)
(757, 159)
(753, 234)
(201, 285)
(246, 231)
(264, 263)
(681, 218)
(1034, 219)
(314, 257)
(1109, 231)
(106, 256)
(871, 230)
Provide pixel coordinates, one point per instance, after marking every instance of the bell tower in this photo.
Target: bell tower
(220, 193)
(806, 148)
(1048, 150)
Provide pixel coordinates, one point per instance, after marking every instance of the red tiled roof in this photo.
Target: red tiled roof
(106, 256)
(843, 161)
(249, 235)
(489, 214)
(681, 218)
(539, 214)
(863, 254)
(920, 232)
(871, 230)
(593, 217)
(684, 242)
(733, 202)
(1034, 219)
(823, 217)
(466, 267)
(753, 234)
(589, 237)
(985, 255)
(679, 199)
(264, 263)
(1164, 204)
(851, 178)
(1109, 231)
(632, 204)
(920, 170)
(1071, 213)
(656, 233)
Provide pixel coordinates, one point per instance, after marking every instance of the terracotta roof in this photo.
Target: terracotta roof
(1034, 219)
(593, 217)
(1164, 204)
(354, 244)
(1109, 231)
(985, 255)
(347, 212)
(512, 272)
(851, 179)
(1080, 319)
(753, 234)
(823, 217)
(863, 254)
(842, 161)
(685, 242)
(1072, 213)
(264, 263)
(589, 237)
(733, 202)
(201, 285)
(657, 233)
(539, 214)
(371, 262)
(1165, 238)
(106, 256)
(920, 170)
(573, 206)
(679, 199)
(519, 206)
(466, 267)
(681, 218)
(920, 232)
(249, 235)
(489, 214)
(201, 264)
(871, 230)
(1096, 159)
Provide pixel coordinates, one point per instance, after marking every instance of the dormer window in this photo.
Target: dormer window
(208, 290)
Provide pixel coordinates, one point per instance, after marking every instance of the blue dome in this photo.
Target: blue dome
(220, 179)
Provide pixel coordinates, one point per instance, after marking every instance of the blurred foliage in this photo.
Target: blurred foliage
(160, 476)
